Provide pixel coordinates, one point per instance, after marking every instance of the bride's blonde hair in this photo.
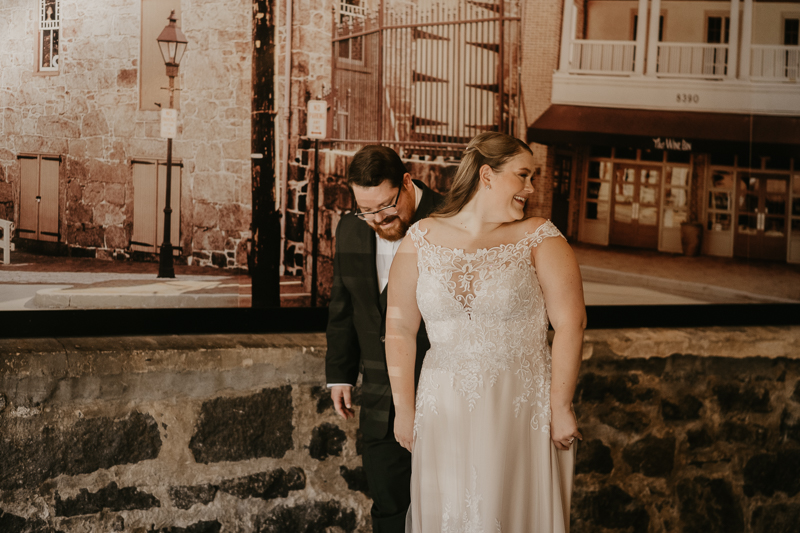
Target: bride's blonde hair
(488, 148)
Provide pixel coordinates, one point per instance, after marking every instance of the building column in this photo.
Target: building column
(641, 38)
(652, 38)
(747, 40)
(566, 35)
(733, 41)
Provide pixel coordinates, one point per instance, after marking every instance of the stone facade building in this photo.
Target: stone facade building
(82, 162)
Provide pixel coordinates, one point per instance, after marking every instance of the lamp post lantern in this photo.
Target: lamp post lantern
(172, 43)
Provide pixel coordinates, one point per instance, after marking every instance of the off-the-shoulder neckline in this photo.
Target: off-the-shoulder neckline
(481, 251)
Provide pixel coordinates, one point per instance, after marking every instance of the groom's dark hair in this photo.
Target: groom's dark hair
(374, 164)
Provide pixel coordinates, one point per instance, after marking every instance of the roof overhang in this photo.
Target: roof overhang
(670, 130)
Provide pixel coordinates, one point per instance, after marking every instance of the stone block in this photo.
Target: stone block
(327, 440)
(185, 497)
(266, 485)
(6, 192)
(94, 123)
(355, 478)
(93, 193)
(117, 237)
(593, 456)
(206, 526)
(609, 507)
(109, 498)
(778, 518)
(308, 516)
(55, 126)
(218, 259)
(107, 172)
(595, 388)
(768, 473)
(796, 394)
(79, 214)
(114, 194)
(699, 438)
(750, 433)
(709, 506)
(11, 523)
(322, 397)
(209, 187)
(651, 455)
(205, 215)
(208, 239)
(234, 217)
(28, 459)
(236, 429)
(126, 78)
(85, 235)
(687, 408)
(106, 214)
(733, 397)
(236, 149)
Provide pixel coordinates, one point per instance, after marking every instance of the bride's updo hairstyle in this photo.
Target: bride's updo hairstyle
(488, 148)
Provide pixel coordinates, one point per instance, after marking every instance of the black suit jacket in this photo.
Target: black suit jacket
(357, 319)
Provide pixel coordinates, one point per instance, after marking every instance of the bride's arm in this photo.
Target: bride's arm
(402, 324)
(560, 279)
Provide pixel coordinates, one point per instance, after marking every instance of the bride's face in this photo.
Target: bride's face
(512, 186)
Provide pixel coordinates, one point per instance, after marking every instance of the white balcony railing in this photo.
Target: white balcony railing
(602, 57)
(692, 60)
(775, 63)
(349, 10)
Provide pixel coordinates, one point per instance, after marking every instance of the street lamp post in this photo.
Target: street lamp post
(172, 43)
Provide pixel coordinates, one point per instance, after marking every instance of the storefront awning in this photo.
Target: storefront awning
(669, 130)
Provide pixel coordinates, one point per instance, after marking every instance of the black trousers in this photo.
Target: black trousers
(387, 466)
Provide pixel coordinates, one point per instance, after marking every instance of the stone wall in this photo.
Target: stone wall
(89, 114)
(684, 430)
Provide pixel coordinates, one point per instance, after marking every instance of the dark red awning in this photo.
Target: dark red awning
(676, 130)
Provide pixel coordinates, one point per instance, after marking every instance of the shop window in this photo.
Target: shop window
(152, 73)
(598, 190)
(49, 33)
(149, 198)
(719, 210)
(38, 206)
(676, 196)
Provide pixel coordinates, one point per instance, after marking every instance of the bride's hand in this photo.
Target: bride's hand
(404, 428)
(564, 427)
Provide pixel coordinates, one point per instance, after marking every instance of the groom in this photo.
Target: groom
(388, 201)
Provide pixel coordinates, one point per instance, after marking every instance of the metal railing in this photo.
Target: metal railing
(602, 57)
(775, 63)
(425, 77)
(692, 60)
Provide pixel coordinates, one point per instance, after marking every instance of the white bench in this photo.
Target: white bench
(5, 242)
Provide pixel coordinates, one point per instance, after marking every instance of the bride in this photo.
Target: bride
(491, 426)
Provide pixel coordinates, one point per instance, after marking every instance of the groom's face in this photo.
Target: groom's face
(390, 224)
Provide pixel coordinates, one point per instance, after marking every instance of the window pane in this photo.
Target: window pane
(648, 216)
(675, 198)
(748, 224)
(678, 176)
(796, 207)
(719, 222)
(774, 226)
(593, 189)
(623, 213)
(591, 210)
(719, 200)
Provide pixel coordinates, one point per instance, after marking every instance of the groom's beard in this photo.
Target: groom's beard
(391, 228)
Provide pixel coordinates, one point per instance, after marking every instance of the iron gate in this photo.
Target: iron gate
(425, 78)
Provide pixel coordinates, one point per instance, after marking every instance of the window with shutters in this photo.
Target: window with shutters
(38, 202)
(149, 197)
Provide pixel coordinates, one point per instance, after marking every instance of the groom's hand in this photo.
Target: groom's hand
(340, 394)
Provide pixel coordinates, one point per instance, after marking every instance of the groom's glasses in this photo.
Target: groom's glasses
(388, 211)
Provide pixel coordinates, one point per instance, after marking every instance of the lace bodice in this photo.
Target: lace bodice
(484, 313)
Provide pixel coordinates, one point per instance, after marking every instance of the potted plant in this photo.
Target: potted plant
(691, 236)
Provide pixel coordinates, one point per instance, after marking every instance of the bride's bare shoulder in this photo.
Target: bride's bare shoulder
(528, 225)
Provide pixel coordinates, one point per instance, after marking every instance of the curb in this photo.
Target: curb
(699, 291)
(57, 299)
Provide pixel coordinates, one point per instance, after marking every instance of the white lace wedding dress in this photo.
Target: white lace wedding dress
(483, 460)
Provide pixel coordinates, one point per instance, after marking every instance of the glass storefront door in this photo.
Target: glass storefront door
(635, 206)
(761, 216)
